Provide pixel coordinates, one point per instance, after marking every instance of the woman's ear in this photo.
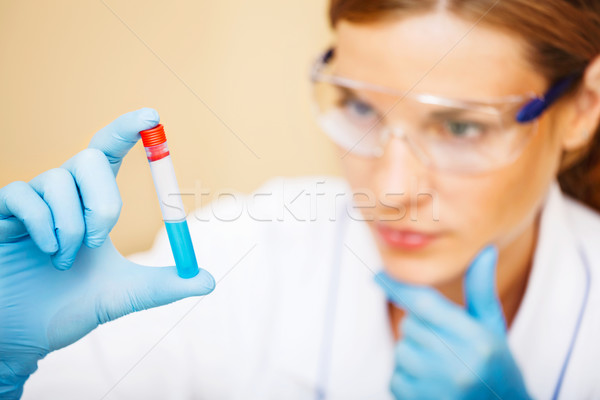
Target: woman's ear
(586, 111)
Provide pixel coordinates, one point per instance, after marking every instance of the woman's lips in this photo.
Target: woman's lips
(404, 239)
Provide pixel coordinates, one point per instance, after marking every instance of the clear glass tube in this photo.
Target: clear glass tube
(171, 205)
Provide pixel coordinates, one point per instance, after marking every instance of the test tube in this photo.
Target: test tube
(169, 197)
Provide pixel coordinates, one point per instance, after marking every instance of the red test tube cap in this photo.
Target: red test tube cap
(154, 136)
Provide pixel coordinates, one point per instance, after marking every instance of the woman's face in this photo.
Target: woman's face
(460, 214)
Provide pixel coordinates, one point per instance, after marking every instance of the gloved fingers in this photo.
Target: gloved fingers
(459, 358)
(411, 359)
(422, 335)
(151, 287)
(99, 194)
(466, 340)
(404, 387)
(57, 188)
(425, 303)
(11, 229)
(20, 204)
(115, 139)
(427, 387)
(481, 297)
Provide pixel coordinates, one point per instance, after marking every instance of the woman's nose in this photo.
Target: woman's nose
(400, 176)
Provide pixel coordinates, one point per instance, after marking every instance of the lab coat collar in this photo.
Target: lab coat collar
(545, 325)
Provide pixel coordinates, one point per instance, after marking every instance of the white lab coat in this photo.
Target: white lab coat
(296, 309)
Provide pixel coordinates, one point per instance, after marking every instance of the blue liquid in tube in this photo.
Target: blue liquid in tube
(183, 251)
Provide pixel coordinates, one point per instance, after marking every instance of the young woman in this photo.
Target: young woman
(457, 259)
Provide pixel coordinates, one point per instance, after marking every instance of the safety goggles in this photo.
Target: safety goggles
(463, 136)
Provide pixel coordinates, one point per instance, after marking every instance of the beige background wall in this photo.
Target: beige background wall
(69, 67)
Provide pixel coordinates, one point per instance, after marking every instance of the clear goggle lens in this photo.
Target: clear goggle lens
(446, 134)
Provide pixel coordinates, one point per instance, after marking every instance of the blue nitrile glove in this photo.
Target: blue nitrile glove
(53, 290)
(447, 352)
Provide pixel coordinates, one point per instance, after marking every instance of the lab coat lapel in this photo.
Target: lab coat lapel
(544, 326)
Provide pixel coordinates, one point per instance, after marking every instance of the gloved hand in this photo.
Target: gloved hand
(53, 290)
(447, 352)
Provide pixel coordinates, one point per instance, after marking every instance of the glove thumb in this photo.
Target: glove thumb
(481, 297)
(106, 286)
(148, 287)
(157, 286)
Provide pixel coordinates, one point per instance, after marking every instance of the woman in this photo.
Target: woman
(455, 122)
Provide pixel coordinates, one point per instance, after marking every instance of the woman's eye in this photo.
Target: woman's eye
(358, 108)
(464, 129)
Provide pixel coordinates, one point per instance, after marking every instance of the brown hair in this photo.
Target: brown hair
(563, 36)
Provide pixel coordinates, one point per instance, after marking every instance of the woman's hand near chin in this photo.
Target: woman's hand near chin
(447, 352)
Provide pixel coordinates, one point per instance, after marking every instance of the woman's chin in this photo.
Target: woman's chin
(430, 272)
